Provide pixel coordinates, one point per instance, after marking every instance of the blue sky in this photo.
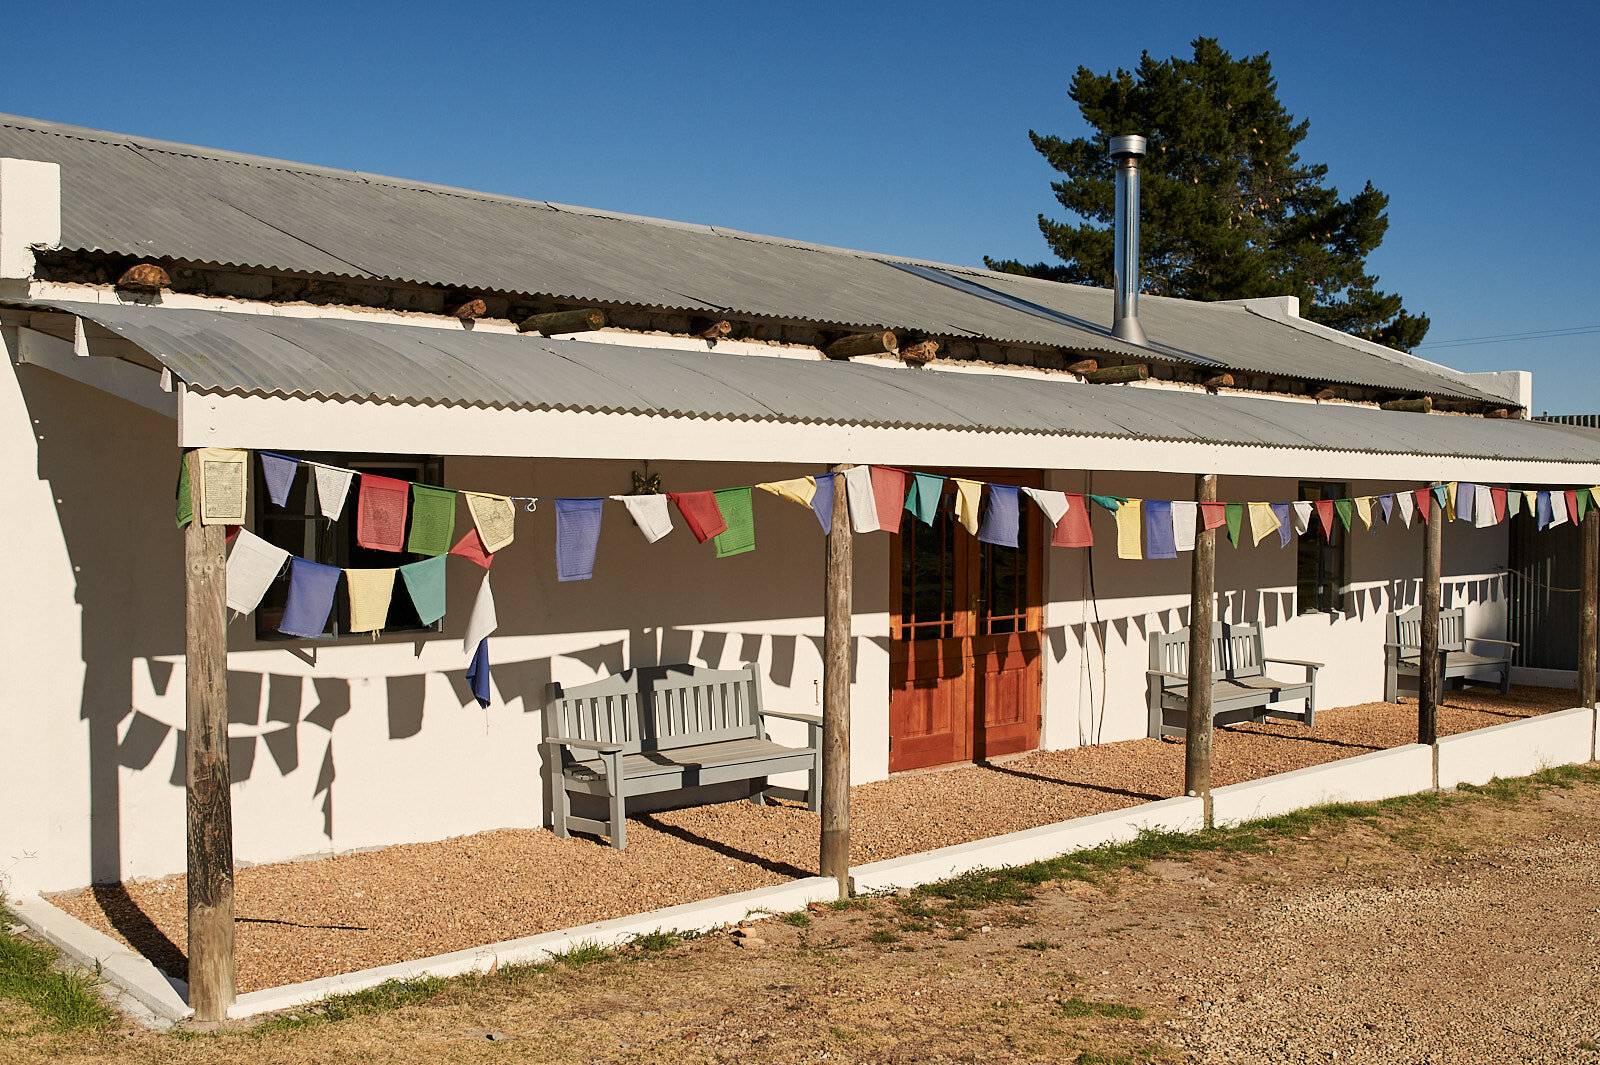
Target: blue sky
(895, 127)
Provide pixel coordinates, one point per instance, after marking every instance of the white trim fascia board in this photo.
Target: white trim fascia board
(702, 916)
(30, 213)
(319, 424)
(116, 377)
(124, 967)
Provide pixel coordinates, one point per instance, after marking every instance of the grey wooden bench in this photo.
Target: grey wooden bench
(1402, 650)
(1240, 687)
(660, 729)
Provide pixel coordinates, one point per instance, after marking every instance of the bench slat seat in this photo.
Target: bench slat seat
(1402, 652)
(662, 729)
(1241, 690)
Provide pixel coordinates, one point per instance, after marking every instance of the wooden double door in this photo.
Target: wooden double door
(965, 637)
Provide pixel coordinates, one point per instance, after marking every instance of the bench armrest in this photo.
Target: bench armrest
(1485, 639)
(810, 719)
(1162, 673)
(1295, 662)
(1404, 646)
(585, 745)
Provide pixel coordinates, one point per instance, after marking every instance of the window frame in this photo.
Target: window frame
(333, 542)
(1322, 591)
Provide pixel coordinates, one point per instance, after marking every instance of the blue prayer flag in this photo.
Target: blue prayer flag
(478, 673)
(1000, 521)
(278, 471)
(577, 538)
(822, 502)
(1465, 493)
(311, 588)
(1281, 512)
(1546, 513)
(1158, 537)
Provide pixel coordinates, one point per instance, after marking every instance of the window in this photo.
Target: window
(1320, 574)
(300, 529)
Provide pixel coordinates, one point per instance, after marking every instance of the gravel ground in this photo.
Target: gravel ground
(308, 919)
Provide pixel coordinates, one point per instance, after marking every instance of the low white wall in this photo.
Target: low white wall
(1030, 845)
(1364, 778)
(1517, 748)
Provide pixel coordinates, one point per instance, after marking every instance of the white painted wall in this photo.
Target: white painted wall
(362, 744)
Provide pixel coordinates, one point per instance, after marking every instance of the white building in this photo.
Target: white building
(307, 312)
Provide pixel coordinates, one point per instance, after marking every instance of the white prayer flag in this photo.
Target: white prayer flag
(650, 513)
(1558, 508)
(863, 504)
(1184, 513)
(1483, 514)
(252, 567)
(1407, 504)
(222, 477)
(1302, 511)
(482, 622)
(333, 484)
(1054, 504)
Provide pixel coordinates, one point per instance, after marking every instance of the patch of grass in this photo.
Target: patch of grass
(1078, 1007)
(392, 995)
(580, 955)
(914, 907)
(1588, 1044)
(657, 941)
(62, 1000)
(844, 1035)
(883, 935)
(797, 919)
(1042, 945)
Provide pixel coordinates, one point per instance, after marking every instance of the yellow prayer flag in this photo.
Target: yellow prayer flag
(495, 518)
(796, 489)
(968, 495)
(1364, 510)
(370, 592)
(1450, 501)
(1531, 498)
(1128, 522)
(1263, 522)
(222, 480)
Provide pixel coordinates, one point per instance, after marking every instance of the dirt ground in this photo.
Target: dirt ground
(302, 920)
(1442, 930)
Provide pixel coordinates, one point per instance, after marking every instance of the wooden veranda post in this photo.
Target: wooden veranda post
(1202, 595)
(1588, 579)
(835, 859)
(1428, 678)
(210, 806)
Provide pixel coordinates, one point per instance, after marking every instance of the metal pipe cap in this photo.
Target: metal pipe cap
(1125, 146)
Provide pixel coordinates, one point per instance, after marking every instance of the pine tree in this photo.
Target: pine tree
(1228, 210)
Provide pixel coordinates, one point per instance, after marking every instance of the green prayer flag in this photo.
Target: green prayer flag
(740, 535)
(185, 497)
(1235, 519)
(425, 584)
(1346, 509)
(1111, 503)
(923, 497)
(1583, 502)
(433, 520)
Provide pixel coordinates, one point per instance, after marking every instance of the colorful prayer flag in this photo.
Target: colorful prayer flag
(1213, 515)
(1128, 529)
(822, 502)
(1158, 537)
(1234, 514)
(1281, 512)
(433, 520)
(470, 547)
(651, 515)
(370, 592)
(699, 510)
(253, 565)
(311, 588)
(425, 583)
(1185, 519)
(740, 535)
(482, 622)
(1263, 522)
(381, 513)
(860, 499)
(494, 516)
(577, 537)
(922, 498)
(333, 484)
(889, 494)
(278, 471)
(968, 496)
(795, 489)
(1002, 519)
(1073, 529)
(478, 674)
(1054, 504)
(222, 478)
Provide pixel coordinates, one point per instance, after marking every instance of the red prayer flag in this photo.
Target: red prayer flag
(1325, 515)
(889, 492)
(1572, 505)
(1499, 497)
(1073, 528)
(470, 547)
(700, 510)
(381, 513)
(1214, 515)
(1424, 501)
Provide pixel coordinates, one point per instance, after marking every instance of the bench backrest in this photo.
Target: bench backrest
(1406, 629)
(658, 708)
(1235, 651)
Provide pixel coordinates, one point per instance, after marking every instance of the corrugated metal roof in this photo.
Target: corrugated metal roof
(341, 358)
(133, 196)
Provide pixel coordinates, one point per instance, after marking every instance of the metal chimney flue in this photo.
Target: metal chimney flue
(1127, 151)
